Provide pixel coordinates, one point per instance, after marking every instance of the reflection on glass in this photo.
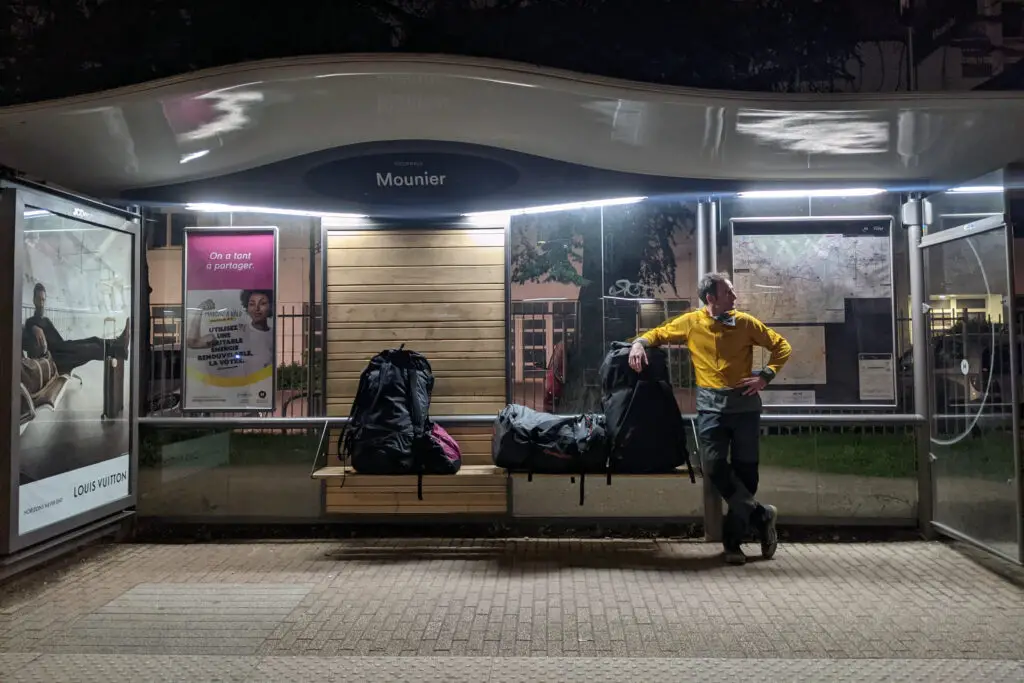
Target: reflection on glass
(74, 389)
(584, 278)
(209, 473)
(972, 436)
(969, 202)
(298, 374)
(649, 274)
(862, 472)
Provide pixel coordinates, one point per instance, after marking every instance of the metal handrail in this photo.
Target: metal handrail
(823, 420)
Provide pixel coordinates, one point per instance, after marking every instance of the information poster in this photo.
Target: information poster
(75, 386)
(825, 284)
(230, 339)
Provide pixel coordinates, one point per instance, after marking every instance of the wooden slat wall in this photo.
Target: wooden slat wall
(442, 293)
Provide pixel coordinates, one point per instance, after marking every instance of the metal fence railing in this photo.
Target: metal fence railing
(299, 377)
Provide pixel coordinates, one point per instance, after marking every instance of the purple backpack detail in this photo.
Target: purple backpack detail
(450, 460)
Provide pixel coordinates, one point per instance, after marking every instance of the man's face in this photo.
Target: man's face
(725, 296)
(258, 308)
(39, 299)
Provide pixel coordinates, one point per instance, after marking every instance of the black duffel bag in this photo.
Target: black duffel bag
(526, 440)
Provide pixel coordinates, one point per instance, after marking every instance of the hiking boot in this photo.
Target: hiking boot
(769, 534)
(735, 556)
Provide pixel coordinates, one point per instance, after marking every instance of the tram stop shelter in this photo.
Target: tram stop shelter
(508, 222)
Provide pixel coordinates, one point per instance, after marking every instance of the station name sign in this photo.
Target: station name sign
(412, 178)
(425, 179)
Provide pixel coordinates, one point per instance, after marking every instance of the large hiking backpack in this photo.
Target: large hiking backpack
(645, 429)
(389, 429)
(526, 440)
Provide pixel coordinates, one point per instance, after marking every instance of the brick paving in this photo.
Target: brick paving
(459, 608)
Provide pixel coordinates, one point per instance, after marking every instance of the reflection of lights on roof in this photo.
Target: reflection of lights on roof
(790, 194)
(193, 156)
(231, 106)
(817, 132)
(553, 208)
(976, 189)
(204, 207)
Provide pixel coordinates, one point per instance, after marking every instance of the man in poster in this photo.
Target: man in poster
(40, 337)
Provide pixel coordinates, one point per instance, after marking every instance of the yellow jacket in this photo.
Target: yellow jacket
(722, 351)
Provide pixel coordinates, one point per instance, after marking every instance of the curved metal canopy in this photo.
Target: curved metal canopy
(234, 119)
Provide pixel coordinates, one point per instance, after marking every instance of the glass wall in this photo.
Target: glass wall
(584, 278)
(831, 275)
(222, 473)
(581, 279)
(968, 287)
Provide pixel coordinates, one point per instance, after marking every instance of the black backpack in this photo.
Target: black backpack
(645, 429)
(389, 428)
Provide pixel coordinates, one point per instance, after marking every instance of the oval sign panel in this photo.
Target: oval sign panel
(414, 178)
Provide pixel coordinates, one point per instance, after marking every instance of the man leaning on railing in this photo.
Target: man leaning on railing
(721, 341)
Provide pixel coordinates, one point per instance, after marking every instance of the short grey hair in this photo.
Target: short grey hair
(708, 285)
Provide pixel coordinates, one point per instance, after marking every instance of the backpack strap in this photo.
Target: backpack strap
(419, 420)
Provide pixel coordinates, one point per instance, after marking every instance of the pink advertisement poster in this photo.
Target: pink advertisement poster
(230, 342)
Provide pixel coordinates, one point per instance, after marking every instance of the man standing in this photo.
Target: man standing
(721, 341)
(39, 336)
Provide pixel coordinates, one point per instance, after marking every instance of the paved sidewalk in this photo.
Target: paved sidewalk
(466, 610)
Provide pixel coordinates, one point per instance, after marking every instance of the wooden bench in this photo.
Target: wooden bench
(475, 490)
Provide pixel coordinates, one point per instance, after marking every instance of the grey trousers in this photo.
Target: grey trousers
(735, 478)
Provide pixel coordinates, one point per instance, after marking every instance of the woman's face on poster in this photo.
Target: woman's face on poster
(258, 308)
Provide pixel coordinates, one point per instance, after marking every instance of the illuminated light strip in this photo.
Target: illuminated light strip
(976, 189)
(793, 194)
(230, 208)
(552, 208)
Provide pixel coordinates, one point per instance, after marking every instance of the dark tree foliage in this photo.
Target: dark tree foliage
(54, 48)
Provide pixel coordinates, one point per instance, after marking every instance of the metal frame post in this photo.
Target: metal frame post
(1013, 342)
(707, 259)
(914, 218)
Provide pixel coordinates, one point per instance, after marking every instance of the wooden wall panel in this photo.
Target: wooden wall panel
(440, 292)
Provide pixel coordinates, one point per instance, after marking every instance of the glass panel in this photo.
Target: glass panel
(556, 283)
(843, 472)
(197, 474)
(292, 316)
(968, 202)
(972, 435)
(75, 387)
(650, 276)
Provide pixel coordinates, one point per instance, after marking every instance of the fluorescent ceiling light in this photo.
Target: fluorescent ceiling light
(976, 189)
(35, 213)
(790, 194)
(230, 208)
(552, 208)
(193, 156)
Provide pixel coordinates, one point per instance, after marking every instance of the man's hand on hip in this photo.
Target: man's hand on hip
(637, 356)
(752, 385)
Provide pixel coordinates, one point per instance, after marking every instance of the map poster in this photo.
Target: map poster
(230, 340)
(825, 284)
